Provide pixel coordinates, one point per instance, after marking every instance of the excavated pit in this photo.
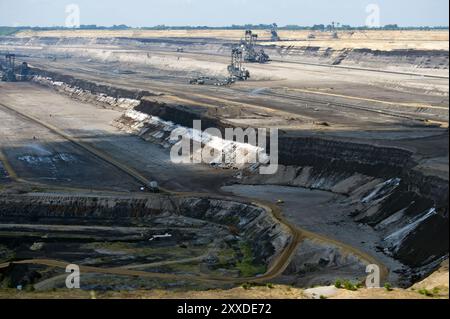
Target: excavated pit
(383, 188)
(176, 243)
(186, 237)
(398, 211)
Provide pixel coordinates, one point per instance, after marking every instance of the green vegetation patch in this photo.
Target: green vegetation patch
(429, 293)
(247, 265)
(388, 287)
(5, 31)
(347, 284)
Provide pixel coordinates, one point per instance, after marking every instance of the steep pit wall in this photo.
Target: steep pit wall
(329, 154)
(421, 59)
(49, 78)
(409, 211)
(404, 59)
(408, 207)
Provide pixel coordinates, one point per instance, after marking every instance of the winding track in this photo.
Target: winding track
(275, 269)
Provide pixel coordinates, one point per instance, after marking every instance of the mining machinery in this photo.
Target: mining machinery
(334, 34)
(24, 72)
(236, 68)
(206, 80)
(8, 72)
(248, 47)
(236, 71)
(274, 33)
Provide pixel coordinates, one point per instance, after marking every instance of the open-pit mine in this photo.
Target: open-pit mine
(87, 125)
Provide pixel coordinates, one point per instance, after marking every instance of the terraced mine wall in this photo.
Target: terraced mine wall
(327, 153)
(219, 224)
(53, 41)
(409, 208)
(254, 224)
(183, 115)
(426, 59)
(406, 58)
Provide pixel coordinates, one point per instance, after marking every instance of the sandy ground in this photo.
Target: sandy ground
(93, 125)
(438, 279)
(436, 285)
(263, 293)
(377, 40)
(42, 157)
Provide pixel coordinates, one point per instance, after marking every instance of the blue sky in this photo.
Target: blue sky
(223, 12)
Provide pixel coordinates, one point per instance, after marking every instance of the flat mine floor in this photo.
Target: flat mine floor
(42, 155)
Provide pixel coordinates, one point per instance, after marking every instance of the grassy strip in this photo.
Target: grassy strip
(5, 31)
(247, 265)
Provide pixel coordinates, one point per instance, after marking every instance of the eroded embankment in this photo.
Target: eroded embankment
(384, 188)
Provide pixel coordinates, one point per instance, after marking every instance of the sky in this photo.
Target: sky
(138, 13)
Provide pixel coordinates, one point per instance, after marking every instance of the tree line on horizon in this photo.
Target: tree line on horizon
(7, 30)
